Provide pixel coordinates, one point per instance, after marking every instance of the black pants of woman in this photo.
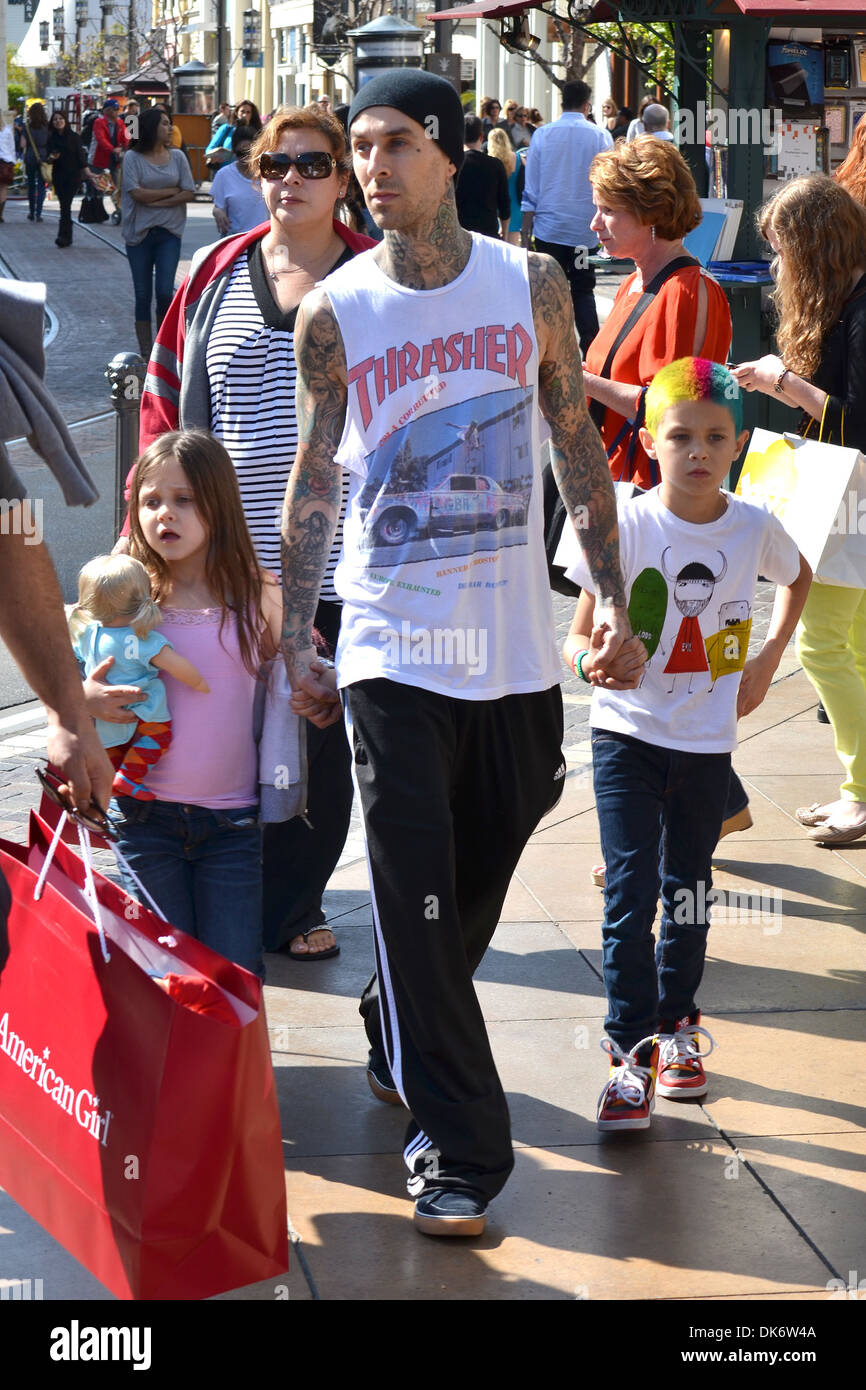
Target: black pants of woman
(66, 190)
(36, 186)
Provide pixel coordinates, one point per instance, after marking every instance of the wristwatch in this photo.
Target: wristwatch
(779, 379)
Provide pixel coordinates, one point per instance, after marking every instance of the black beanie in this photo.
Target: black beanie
(420, 95)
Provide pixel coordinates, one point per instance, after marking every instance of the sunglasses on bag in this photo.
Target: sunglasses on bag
(95, 819)
(315, 164)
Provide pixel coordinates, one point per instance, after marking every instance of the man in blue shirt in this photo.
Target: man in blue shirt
(557, 199)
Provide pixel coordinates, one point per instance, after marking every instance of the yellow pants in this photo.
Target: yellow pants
(831, 643)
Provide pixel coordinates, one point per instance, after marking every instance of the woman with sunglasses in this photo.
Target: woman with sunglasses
(224, 361)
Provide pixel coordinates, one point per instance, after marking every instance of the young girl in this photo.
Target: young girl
(115, 617)
(197, 846)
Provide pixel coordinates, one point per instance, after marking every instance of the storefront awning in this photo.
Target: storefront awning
(793, 11)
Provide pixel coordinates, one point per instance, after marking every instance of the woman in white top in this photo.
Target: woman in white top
(7, 160)
(238, 205)
(157, 185)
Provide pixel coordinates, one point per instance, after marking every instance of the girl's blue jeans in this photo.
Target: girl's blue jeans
(203, 868)
(659, 812)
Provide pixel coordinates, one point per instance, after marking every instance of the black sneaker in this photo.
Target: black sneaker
(821, 714)
(444, 1212)
(380, 1080)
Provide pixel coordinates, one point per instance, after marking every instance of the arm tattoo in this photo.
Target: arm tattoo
(576, 453)
(313, 494)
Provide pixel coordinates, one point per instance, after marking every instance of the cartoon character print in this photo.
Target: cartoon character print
(693, 591)
(728, 648)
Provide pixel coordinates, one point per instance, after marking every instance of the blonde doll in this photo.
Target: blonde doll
(115, 618)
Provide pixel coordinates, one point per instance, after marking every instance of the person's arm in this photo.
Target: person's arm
(620, 396)
(759, 672)
(529, 197)
(33, 627)
(217, 192)
(314, 492)
(503, 199)
(576, 453)
(180, 668)
(622, 673)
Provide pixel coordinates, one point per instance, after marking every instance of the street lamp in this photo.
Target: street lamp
(253, 57)
(81, 9)
(43, 35)
(57, 21)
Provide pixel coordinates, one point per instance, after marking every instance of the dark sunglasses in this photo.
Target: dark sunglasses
(316, 164)
(95, 820)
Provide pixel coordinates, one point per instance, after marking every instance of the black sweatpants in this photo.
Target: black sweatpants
(451, 790)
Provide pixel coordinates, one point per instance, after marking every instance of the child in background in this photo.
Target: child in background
(115, 617)
(197, 846)
(662, 738)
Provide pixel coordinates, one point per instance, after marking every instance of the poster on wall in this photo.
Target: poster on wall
(796, 148)
(836, 121)
(795, 77)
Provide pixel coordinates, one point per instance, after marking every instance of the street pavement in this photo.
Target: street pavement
(755, 1194)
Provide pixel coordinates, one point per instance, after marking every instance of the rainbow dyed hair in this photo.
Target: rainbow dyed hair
(693, 379)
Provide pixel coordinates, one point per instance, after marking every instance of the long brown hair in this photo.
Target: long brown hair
(821, 231)
(851, 173)
(234, 575)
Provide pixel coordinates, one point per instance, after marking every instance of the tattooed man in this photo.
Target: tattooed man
(423, 368)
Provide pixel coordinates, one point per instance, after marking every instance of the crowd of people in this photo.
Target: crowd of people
(388, 398)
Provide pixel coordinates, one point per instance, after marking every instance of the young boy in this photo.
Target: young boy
(662, 733)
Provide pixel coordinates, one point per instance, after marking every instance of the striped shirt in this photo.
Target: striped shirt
(252, 373)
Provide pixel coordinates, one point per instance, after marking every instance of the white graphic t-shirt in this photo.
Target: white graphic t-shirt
(443, 574)
(690, 592)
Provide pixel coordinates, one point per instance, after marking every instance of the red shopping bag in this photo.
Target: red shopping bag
(138, 1113)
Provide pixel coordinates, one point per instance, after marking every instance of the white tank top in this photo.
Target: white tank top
(443, 574)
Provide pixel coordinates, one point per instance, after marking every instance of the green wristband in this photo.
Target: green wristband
(577, 665)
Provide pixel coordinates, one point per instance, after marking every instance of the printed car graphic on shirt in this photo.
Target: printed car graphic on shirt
(462, 502)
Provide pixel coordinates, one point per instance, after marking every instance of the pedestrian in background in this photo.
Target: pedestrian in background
(499, 146)
(7, 160)
(491, 116)
(483, 204)
(35, 155)
(818, 232)
(108, 146)
(69, 164)
(157, 185)
(557, 201)
(851, 173)
(238, 205)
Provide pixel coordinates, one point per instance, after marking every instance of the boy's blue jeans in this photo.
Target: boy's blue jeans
(203, 868)
(659, 812)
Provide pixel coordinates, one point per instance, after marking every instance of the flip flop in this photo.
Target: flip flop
(309, 955)
(829, 834)
(808, 815)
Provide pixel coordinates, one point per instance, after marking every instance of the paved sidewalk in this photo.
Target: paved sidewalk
(758, 1193)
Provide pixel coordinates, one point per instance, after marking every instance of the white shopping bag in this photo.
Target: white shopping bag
(818, 492)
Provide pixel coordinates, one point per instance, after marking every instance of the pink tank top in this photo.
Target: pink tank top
(212, 758)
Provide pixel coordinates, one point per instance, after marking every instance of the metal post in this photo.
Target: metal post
(442, 43)
(125, 372)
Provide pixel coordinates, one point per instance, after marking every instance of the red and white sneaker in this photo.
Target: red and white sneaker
(628, 1098)
(681, 1069)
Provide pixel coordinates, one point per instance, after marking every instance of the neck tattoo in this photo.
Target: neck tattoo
(431, 254)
